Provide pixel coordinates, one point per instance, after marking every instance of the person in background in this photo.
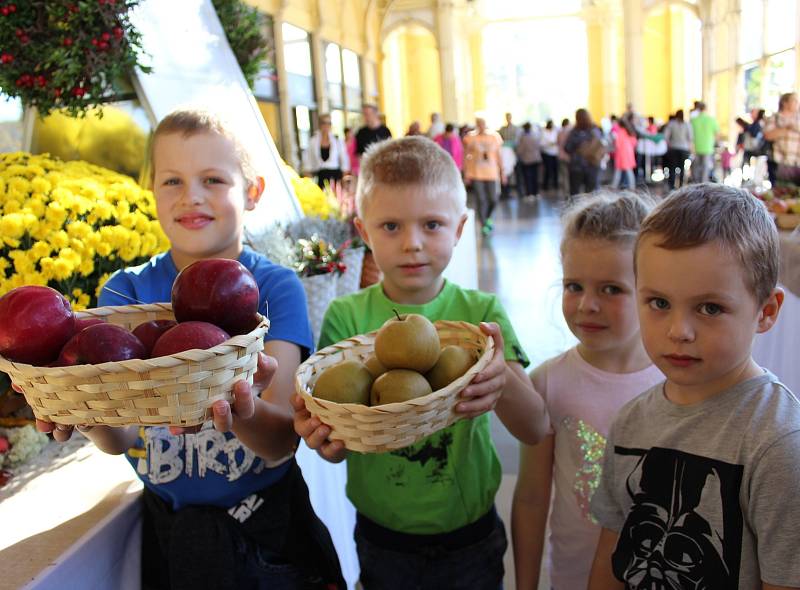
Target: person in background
(753, 141)
(414, 129)
(450, 142)
(350, 143)
(483, 171)
(437, 126)
(678, 134)
(563, 156)
(510, 133)
(585, 148)
(704, 131)
(783, 130)
(549, 145)
(725, 160)
(529, 157)
(624, 155)
(374, 129)
(326, 155)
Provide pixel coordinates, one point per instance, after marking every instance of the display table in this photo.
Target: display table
(777, 349)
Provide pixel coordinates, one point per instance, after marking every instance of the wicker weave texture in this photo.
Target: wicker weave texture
(391, 426)
(176, 390)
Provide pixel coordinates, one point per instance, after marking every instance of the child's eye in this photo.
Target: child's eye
(433, 225)
(611, 290)
(171, 182)
(658, 303)
(390, 226)
(709, 309)
(572, 287)
(214, 180)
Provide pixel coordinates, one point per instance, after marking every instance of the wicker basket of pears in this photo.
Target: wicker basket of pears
(389, 389)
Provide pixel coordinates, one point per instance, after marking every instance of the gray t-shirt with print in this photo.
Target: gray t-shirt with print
(706, 495)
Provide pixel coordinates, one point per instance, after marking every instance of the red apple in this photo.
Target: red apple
(150, 332)
(217, 290)
(35, 322)
(101, 343)
(187, 336)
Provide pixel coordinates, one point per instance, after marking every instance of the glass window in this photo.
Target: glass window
(117, 141)
(296, 50)
(266, 82)
(352, 74)
(781, 78)
(751, 37)
(333, 75)
(302, 122)
(781, 24)
(337, 122)
(10, 125)
(753, 78)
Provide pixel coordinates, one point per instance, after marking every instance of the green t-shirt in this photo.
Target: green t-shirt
(448, 479)
(704, 129)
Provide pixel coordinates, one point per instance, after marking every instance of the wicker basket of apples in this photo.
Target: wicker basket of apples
(783, 202)
(145, 364)
(390, 388)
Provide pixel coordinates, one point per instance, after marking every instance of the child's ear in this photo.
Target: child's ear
(460, 228)
(769, 310)
(362, 230)
(254, 192)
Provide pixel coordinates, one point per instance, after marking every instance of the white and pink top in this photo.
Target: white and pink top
(582, 401)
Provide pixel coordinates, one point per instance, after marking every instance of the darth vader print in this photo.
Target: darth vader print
(684, 528)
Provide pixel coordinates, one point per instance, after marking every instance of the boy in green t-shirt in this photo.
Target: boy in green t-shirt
(425, 513)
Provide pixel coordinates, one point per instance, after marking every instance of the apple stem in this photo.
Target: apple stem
(399, 319)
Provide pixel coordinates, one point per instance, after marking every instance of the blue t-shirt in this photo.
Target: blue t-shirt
(210, 467)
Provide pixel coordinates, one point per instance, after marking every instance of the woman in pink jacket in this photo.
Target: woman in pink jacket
(624, 154)
(450, 142)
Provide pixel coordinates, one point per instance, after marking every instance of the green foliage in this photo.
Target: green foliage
(245, 28)
(66, 54)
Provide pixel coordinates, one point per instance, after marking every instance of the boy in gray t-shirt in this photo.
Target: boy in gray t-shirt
(701, 474)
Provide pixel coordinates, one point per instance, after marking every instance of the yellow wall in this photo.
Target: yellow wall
(411, 78)
(597, 70)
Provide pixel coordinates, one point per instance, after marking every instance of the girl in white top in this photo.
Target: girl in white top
(583, 388)
(326, 155)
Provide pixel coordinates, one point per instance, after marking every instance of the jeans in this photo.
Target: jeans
(630, 179)
(583, 179)
(702, 167)
(476, 567)
(676, 162)
(530, 174)
(485, 192)
(550, 171)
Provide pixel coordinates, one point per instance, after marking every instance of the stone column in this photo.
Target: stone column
(446, 41)
(633, 16)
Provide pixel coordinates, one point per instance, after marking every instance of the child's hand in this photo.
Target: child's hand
(61, 432)
(483, 392)
(315, 433)
(242, 408)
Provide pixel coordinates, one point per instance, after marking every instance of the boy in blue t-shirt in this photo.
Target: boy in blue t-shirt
(425, 513)
(236, 485)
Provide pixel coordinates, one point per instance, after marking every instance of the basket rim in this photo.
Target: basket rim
(394, 407)
(134, 365)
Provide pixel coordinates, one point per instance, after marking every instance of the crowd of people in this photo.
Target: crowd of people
(581, 155)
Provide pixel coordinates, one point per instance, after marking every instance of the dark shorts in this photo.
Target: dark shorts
(475, 566)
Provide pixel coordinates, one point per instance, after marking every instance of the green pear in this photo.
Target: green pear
(407, 342)
(453, 362)
(375, 367)
(348, 382)
(398, 385)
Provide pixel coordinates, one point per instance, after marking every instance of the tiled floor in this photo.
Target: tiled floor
(520, 262)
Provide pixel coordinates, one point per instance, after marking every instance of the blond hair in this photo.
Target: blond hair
(188, 122)
(699, 214)
(410, 161)
(606, 215)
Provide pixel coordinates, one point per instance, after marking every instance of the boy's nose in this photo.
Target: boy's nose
(680, 329)
(412, 240)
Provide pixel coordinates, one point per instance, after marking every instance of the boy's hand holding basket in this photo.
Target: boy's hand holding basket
(92, 367)
(389, 389)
